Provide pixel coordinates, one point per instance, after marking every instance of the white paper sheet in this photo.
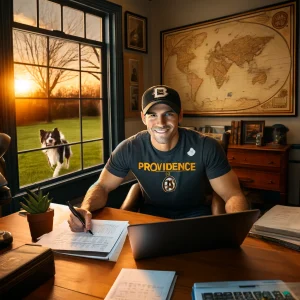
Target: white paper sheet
(135, 284)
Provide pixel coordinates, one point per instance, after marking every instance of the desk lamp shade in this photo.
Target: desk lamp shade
(4, 143)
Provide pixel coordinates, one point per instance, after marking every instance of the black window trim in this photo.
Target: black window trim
(75, 186)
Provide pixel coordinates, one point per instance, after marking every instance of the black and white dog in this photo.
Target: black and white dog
(57, 156)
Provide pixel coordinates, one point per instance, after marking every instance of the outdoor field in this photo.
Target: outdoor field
(34, 167)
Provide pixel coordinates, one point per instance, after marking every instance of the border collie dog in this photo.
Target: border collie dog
(57, 156)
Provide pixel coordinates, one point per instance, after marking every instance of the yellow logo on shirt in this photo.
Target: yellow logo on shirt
(163, 167)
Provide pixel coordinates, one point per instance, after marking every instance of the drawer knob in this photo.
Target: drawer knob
(271, 162)
(270, 181)
(245, 159)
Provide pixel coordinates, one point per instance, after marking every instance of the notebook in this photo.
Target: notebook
(191, 234)
(252, 289)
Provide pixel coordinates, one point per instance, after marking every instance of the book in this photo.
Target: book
(106, 242)
(135, 284)
(280, 225)
(280, 219)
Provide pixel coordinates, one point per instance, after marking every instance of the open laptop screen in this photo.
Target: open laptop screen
(191, 234)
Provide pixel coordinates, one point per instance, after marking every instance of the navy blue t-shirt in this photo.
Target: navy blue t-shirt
(175, 182)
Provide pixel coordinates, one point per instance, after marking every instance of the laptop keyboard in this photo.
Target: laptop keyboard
(248, 295)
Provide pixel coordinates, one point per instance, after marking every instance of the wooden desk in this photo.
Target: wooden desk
(262, 168)
(83, 278)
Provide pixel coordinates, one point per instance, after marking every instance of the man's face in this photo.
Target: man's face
(162, 125)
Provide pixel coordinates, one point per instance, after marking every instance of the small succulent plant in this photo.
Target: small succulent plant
(36, 202)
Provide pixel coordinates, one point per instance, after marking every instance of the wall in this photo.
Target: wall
(166, 14)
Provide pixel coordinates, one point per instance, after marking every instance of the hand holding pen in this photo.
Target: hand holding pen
(77, 215)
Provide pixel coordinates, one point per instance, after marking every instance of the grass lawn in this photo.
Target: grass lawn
(33, 166)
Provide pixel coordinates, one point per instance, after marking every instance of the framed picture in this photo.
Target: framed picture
(133, 84)
(239, 65)
(135, 32)
(250, 129)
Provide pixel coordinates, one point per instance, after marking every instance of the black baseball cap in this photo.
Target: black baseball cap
(161, 94)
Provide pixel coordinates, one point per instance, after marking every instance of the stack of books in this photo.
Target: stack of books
(281, 225)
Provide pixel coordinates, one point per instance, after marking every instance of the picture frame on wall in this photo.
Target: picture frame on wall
(250, 129)
(136, 32)
(133, 84)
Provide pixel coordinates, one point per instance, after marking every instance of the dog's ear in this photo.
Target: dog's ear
(42, 132)
(55, 129)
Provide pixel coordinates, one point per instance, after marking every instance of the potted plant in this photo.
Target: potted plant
(39, 214)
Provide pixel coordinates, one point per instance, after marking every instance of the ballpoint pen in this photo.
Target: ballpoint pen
(77, 215)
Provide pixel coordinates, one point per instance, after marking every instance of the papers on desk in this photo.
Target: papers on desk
(105, 244)
(134, 284)
(281, 224)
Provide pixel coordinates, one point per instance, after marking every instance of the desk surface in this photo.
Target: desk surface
(83, 278)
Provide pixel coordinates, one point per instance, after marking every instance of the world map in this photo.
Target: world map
(235, 67)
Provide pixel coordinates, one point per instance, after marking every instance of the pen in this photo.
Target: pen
(77, 215)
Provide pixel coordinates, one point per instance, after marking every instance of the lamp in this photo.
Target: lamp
(5, 196)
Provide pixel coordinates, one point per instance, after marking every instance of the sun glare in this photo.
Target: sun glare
(22, 86)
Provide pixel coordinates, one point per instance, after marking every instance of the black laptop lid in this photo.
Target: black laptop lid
(191, 234)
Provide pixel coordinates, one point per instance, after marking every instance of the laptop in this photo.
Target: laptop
(191, 234)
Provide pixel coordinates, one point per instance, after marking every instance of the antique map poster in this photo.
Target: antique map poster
(239, 65)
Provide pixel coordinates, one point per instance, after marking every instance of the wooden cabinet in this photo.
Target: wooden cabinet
(262, 168)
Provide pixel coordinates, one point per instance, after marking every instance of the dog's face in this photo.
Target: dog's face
(50, 138)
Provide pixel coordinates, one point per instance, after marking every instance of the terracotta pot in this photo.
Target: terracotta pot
(40, 224)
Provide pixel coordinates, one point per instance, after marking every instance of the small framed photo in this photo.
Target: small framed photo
(250, 129)
(135, 32)
(133, 84)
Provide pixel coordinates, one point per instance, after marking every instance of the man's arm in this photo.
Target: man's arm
(95, 198)
(228, 188)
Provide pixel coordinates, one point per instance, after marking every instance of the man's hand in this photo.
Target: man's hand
(75, 224)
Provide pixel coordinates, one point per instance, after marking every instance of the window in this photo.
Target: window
(66, 76)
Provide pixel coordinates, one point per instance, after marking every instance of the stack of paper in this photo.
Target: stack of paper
(134, 284)
(281, 224)
(106, 242)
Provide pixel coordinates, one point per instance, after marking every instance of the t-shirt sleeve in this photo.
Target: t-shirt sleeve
(118, 163)
(215, 159)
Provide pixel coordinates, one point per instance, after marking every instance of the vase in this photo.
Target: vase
(40, 224)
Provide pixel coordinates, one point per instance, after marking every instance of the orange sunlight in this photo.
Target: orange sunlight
(22, 86)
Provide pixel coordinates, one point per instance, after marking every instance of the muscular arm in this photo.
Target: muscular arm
(228, 188)
(95, 198)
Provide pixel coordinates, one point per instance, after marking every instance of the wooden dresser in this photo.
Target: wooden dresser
(263, 168)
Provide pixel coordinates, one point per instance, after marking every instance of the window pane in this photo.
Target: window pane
(49, 15)
(91, 119)
(73, 21)
(90, 58)
(64, 83)
(30, 48)
(25, 12)
(65, 114)
(90, 85)
(30, 112)
(30, 81)
(92, 154)
(93, 27)
(34, 166)
(63, 54)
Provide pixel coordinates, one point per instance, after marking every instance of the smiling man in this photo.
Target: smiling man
(175, 167)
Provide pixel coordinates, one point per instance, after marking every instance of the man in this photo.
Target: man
(173, 166)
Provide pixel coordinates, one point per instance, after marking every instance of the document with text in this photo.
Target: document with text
(106, 242)
(135, 284)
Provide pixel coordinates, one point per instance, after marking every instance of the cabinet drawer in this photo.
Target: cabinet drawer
(258, 179)
(256, 158)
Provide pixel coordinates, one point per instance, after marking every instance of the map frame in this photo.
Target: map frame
(280, 19)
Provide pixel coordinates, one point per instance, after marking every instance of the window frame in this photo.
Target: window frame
(68, 187)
